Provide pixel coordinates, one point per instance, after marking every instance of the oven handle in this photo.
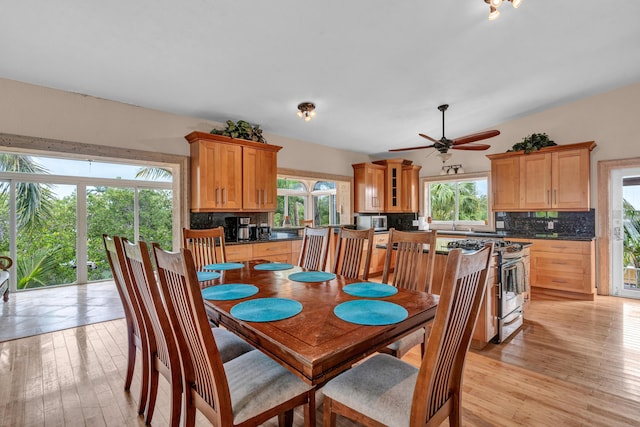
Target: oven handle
(514, 320)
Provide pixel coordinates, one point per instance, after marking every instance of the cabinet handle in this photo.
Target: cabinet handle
(548, 199)
(217, 195)
(224, 195)
(559, 281)
(264, 196)
(258, 196)
(555, 197)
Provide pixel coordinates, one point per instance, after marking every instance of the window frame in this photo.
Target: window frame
(458, 225)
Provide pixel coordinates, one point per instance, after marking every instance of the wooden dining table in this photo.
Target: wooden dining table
(315, 344)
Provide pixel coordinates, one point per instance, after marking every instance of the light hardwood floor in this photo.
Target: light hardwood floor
(573, 364)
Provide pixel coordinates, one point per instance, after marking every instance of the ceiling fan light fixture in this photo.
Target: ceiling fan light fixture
(306, 110)
(495, 3)
(516, 3)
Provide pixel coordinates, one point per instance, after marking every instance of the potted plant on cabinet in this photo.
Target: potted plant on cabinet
(242, 130)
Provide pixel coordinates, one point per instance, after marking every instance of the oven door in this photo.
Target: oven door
(511, 286)
(509, 324)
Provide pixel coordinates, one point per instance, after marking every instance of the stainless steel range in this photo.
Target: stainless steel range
(512, 282)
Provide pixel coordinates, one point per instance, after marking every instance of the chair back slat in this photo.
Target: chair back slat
(440, 377)
(413, 268)
(207, 246)
(203, 371)
(350, 248)
(315, 247)
(160, 338)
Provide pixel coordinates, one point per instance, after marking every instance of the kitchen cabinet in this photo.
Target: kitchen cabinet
(231, 175)
(505, 184)
(390, 186)
(562, 269)
(376, 266)
(553, 178)
(411, 188)
(369, 183)
(275, 251)
(259, 174)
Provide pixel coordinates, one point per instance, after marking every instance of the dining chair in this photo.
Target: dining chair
(207, 246)
(385, 390)
(133, 316)
(162, 352)
(246, 391)
(350, 247)
(315, 247)
(5, 264)
(413, 270)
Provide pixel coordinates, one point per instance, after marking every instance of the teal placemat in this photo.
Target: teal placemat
(266, 309)
(370, 290)
(203, 276)
(370, 312)
(229, 291)
(312, 276)
(274, 266)
(224, 266)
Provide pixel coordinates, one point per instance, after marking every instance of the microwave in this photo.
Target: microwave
(377, 222)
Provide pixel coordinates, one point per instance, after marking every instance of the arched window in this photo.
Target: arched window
(300, 199)
(292, 202)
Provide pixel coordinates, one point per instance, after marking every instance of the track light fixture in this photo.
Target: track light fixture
(306, 110)
(494, 13)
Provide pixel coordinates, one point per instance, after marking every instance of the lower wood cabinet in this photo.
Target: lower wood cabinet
(563, 269)
(378, 255)
(282, 251)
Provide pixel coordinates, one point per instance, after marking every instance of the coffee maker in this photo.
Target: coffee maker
(236, 228)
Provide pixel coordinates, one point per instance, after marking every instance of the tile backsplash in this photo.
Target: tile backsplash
(203, 220)
(579, 224)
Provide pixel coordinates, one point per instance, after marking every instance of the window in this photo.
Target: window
(458, 201)
(302, 198)
(59, 209)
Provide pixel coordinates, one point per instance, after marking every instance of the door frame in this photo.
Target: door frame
(603, 234)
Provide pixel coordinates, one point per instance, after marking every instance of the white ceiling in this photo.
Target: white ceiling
(376, 69)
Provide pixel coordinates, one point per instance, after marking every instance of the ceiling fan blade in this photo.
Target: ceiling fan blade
(428, 137)
(476, 147)
(412, 148)
(476, 137)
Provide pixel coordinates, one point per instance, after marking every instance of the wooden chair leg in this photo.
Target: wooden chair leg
(153, 392)
(310, 410)
(328, 415)
(144, 383)
(188, 412)
(131, 363)
(285, 419)
(176, 397)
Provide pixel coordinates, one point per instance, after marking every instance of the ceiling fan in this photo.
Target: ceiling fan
(444, 144)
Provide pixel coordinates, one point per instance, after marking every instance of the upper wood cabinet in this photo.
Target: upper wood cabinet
(390, 185)
(259, 172)
(231, 175)
(369, 183)
(554, 178)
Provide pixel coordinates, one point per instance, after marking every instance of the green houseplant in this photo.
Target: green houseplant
(241, 129)
(533, 142)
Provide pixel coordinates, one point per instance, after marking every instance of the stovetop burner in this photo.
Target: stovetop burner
(477, 244)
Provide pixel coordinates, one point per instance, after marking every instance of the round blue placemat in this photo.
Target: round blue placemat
(203, 276)
(370, 290)
(312, 276)
(370, 312)
(273, 266)
(266, 309)
(229, 292)
(224, 266)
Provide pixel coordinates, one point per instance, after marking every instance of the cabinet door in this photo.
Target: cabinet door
(216, 180)
(535, 181)
(505, 180)
(228, 172)
(369, 187)
(410, 188)
(570, 180)
(259, 176)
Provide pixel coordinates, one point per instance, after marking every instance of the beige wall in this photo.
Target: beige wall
(48, 113)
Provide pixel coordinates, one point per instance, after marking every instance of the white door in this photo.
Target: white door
(623, 277)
